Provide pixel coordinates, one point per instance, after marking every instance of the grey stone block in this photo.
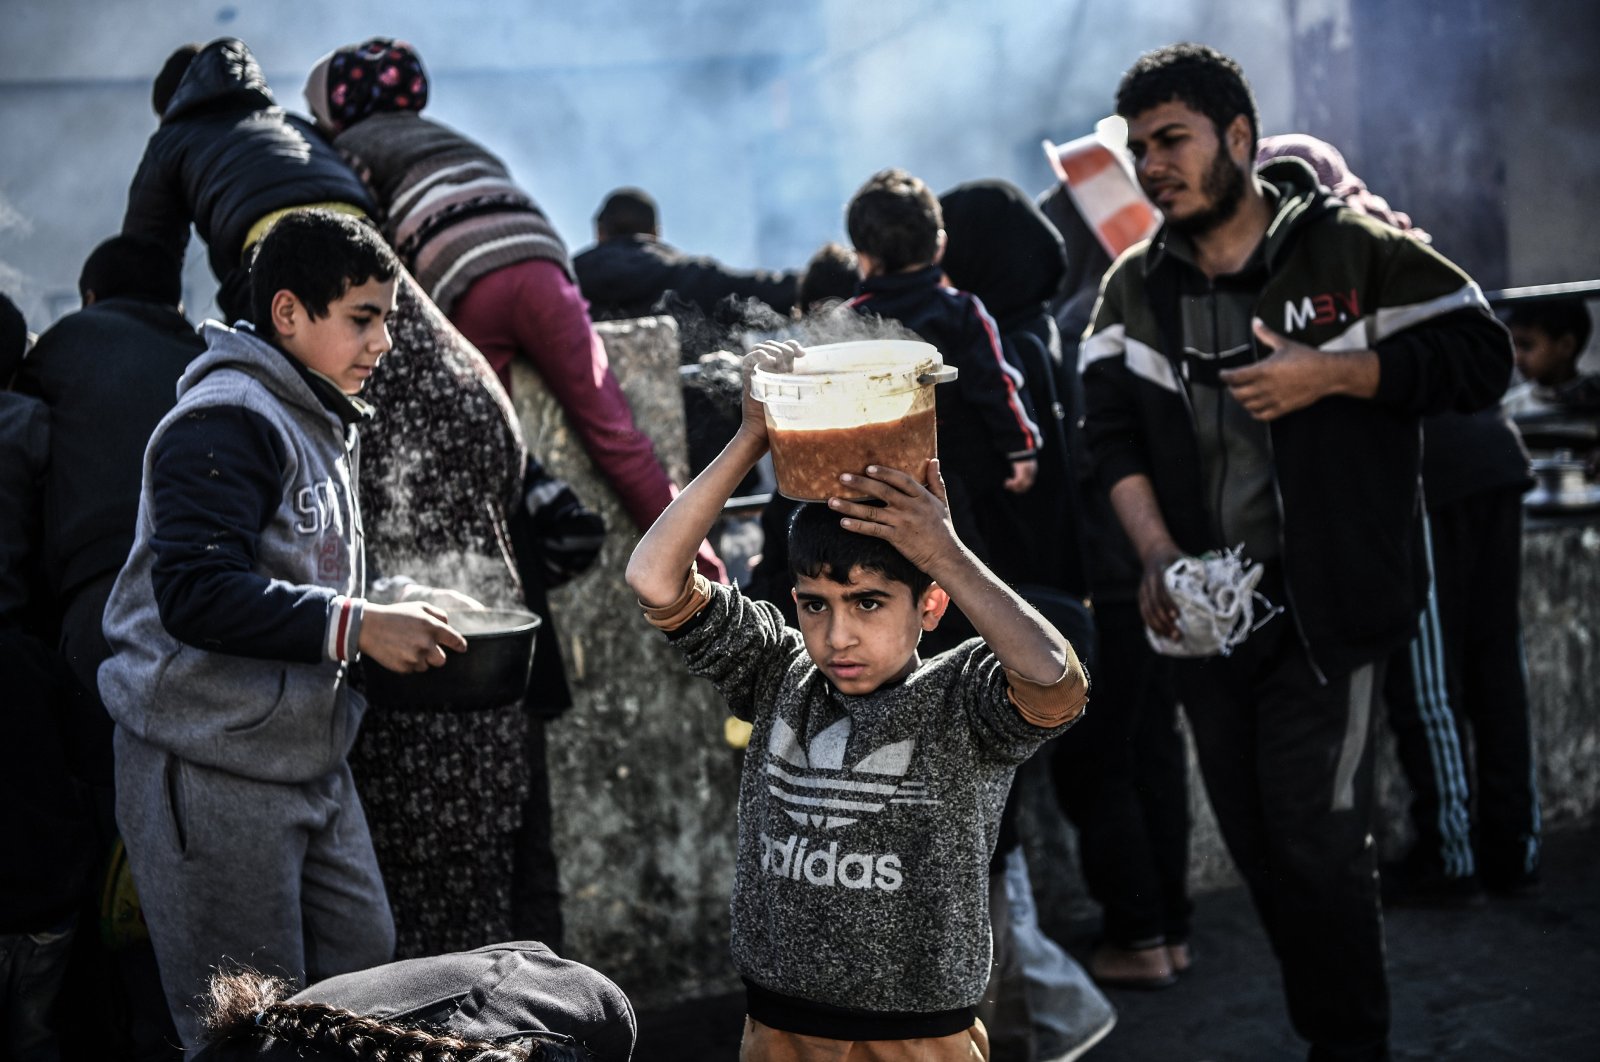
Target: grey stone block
(643, 785)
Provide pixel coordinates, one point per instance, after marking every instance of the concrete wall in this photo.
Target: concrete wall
(645, 785)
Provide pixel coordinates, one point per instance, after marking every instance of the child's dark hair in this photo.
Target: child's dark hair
(249, 1014)
(317, 255)
(896, 219)
(13, 339)
(1555, 318)
(1195, 75)
(628, 212)
(830, 276)
(820, 548)
(133, 267)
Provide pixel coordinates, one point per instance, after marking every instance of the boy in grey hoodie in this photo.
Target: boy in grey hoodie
(234, 623)
(871, 796)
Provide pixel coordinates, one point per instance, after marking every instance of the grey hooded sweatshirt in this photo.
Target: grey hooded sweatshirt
(234, 620)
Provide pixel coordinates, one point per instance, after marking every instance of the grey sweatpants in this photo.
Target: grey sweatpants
(231, 870)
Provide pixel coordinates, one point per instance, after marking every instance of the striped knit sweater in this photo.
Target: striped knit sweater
(449, 207)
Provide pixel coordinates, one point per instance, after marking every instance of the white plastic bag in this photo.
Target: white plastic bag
(1216, 598)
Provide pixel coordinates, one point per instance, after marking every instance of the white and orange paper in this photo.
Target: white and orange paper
(1099, 177)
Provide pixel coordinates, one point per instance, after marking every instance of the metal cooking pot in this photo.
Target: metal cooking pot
(1561, 487)
(492, 673)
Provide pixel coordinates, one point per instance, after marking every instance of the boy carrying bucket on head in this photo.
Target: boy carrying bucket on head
(872, 792)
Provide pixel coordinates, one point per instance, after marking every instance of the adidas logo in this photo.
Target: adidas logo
(816, 789)
(825, 866)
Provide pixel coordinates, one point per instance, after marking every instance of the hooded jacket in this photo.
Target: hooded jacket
(225, 156)
(1005, 252)
(107, 373)
(1344, 470)
(985, 422)
(233, 622)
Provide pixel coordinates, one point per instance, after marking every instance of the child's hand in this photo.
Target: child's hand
(771, 356)
(914, 519)
(410, 636)
(1022, 476)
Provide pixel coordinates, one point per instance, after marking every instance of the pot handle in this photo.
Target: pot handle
(943, 374)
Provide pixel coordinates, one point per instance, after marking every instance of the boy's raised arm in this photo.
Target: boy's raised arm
(661, 560)
(915, 519)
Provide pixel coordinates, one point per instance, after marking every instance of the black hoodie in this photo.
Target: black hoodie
(224, 157)
(1005, 252)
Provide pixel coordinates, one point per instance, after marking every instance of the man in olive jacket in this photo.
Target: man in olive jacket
(1256, 374)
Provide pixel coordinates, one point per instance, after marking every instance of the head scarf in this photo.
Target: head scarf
(1001, 248)
(360, 80)
(1334, 173)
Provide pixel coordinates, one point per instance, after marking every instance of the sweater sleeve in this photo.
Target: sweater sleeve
(742, 646)
(1009, 716)
(1439, 346)
(992, 386)
(214, 486)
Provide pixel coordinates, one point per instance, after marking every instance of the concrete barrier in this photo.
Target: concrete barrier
(644, 786)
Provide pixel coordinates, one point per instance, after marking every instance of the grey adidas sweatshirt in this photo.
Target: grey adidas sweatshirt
(285, 718)
(866, 823)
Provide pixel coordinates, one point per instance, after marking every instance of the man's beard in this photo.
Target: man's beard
(1223, 187)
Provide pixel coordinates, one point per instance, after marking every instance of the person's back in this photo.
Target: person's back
(108, 373)
(629, 271)
(987, 437)
(1007, 255)
(225, 157)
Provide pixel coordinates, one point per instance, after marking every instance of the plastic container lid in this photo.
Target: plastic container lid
(845, 372)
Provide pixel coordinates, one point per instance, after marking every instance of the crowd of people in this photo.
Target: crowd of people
(206, 530)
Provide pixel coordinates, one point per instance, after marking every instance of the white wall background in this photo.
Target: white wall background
(751, 122)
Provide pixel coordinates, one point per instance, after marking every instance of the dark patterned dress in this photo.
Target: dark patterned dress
(443, 791)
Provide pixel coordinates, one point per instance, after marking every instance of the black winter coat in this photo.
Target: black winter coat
(627, 276)
(225, 156)
(109, 373)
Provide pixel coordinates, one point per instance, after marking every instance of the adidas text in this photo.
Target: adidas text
(793, 859)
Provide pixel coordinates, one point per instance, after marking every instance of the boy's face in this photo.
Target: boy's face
(1541, 357)
(864, 633)
(346, 345)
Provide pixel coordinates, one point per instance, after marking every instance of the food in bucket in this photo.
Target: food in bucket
(847, 406)
(809, 462)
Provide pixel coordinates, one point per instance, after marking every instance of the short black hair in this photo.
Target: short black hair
(832, 274)
(13, 339)
(895, 218)
(317, 255)
(134, 267)
(628, 212)
(820, 548)
(1198, 76)
(1555, 318)
(172, 71)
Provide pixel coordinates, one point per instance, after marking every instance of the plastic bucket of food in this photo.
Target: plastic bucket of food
(847, 406)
